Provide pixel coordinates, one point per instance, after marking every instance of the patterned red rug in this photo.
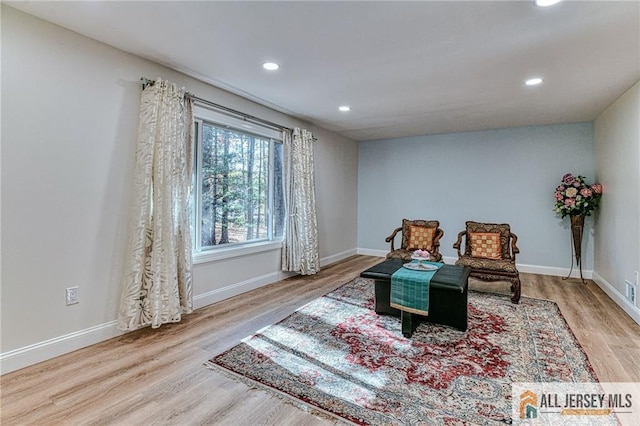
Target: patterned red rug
(337, 355)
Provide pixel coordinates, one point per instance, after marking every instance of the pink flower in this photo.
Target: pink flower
(421, 253)
(569, 202)
(568, 179)
(586, 192)
(597, 188)
(558, 196)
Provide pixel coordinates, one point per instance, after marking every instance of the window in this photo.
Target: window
(238, 193)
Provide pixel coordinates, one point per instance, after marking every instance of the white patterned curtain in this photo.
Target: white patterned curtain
(300, 252)
(157, 282)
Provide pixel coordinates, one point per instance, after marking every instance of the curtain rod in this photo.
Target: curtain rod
(146, 82)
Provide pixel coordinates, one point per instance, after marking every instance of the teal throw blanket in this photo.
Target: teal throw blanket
(410, 289)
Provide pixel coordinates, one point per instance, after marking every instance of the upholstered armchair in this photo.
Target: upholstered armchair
(416, 234)
(490, 251)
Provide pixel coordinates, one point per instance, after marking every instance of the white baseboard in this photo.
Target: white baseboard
(371, 252)
(220, 294)
(619, 298)
(42, 351)
(48, 349)
(555, 271)
(449, 260)
(328, 260)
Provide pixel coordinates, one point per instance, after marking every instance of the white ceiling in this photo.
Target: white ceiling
(405, 68)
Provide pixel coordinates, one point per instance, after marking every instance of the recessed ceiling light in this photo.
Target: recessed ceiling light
(344, 108)
(271, 66)
(545, 3)
(533, 81)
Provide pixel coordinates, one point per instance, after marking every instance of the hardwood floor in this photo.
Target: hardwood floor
(158, 376)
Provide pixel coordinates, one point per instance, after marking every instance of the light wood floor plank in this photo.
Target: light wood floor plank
(158, 377)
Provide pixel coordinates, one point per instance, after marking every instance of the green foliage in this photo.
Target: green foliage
(234, 186)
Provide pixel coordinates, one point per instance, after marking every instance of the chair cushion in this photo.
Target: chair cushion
(476, 263)
(485, 245)
(420, 238)
(502, 228)
(402, 254)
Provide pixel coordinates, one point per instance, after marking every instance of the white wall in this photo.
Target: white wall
(617, 143)
(69, 124)
(506, 175)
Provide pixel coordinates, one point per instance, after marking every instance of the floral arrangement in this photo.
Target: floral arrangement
(421, 253)
(575, 197)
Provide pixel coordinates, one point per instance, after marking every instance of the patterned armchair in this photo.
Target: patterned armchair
(416, 234)
(490, 251)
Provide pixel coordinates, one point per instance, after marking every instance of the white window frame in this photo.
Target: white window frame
(203, 114)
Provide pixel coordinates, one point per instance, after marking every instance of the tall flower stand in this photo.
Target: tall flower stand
(577, 229)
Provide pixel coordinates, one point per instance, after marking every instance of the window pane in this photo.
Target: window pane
(234, 187)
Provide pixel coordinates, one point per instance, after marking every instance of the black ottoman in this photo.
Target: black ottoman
(448, 291)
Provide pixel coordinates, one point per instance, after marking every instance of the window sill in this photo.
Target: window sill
(243, 250)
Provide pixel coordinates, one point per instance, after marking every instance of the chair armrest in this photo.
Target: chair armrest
(436, 238)
(514, 248)
(435, 244)
(391, 237)
(458, 243)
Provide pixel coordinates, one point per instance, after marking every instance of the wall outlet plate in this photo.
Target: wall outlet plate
(632, 291)
(72, 295)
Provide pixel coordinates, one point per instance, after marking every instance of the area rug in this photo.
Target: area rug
(338, 356)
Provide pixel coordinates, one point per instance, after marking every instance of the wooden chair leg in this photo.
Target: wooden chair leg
(515, 288)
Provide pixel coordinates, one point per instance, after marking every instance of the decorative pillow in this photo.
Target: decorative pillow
(502, 228)
(420, 238)
(485, 245)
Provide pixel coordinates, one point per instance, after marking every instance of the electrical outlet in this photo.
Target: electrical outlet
(72, 296)
(631, 291)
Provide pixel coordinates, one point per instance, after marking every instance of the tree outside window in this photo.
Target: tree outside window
(238, 187)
